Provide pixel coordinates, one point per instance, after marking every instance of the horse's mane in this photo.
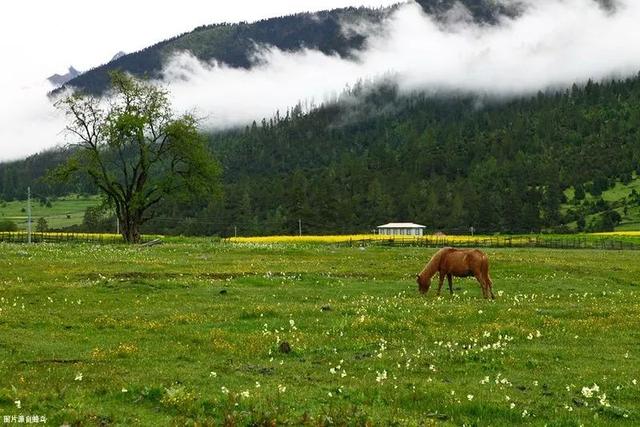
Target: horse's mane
(433, 264)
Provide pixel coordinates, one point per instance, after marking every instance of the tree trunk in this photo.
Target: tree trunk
(130, 228)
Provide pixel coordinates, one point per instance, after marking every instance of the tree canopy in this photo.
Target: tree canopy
(135, 150)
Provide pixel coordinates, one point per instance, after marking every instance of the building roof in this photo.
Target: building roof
(401, 225)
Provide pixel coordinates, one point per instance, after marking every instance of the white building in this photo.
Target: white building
(401, 229)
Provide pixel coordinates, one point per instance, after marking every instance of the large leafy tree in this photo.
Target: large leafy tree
(135, 150)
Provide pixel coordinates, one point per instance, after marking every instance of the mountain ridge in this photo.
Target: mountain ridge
(59, 80)
(233, 43)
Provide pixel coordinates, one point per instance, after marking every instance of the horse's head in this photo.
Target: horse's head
(423, 284)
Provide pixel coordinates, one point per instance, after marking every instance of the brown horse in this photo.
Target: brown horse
(460, 263)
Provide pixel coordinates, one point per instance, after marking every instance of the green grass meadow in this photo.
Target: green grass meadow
(191, 332)
(64, 211)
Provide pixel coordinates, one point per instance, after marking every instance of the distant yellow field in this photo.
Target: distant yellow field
(356, 237)
(62, 234)
(484, 240)
(619, 233)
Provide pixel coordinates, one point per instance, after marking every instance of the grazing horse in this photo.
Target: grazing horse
(460, 263)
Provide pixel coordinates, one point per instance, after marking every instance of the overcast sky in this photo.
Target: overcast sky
(42, 37)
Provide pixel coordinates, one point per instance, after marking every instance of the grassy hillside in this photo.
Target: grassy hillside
(62, 212)
(192, 332)
(619, 198)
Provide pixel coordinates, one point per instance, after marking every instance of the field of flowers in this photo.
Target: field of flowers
(195, 332)
(344, 238)
(612, 240)
(619, 233)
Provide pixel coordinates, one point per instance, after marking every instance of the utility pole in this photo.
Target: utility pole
(235, 231)
(300, 227)
(117, 225)
(28, 214)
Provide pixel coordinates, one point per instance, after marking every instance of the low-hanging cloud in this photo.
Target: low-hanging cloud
(29, 122)
(550, 45)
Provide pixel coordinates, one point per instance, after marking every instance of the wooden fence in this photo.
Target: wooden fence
(554, 242)
(52, 237)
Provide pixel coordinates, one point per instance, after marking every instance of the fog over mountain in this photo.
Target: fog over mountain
(551, 45)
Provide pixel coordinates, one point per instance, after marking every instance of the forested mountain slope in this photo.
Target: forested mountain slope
(448, 162)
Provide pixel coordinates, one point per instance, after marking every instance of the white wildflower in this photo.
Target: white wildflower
(588, 391)
(603, 400)
(381, 376)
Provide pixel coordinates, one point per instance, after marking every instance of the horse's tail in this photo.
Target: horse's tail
(485, 273)
(485, 270)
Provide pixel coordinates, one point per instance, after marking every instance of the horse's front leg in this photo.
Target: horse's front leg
(441, 282)
(450, 279)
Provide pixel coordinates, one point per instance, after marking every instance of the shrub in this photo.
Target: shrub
(42, 225)
(8, 225)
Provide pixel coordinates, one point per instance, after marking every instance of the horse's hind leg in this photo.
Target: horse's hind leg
(483, 285)
(450, 279)
(489, 284)
(441, 282)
